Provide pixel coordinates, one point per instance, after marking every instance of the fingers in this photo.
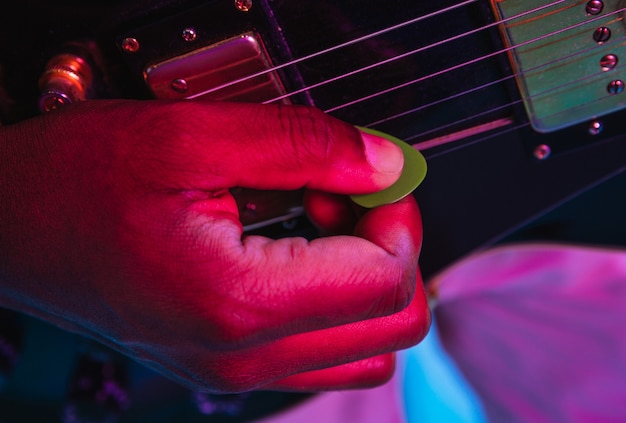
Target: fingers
(293, 286)
(360, 374)
(324, 350)
(272, 147)
(331, 213)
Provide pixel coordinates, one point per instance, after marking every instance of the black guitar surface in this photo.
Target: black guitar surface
(484, 186)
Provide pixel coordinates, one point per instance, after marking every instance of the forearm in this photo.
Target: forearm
(20, 219)
(33, 237)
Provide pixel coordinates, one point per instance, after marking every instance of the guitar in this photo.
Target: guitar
(460, 80)
(517, 105)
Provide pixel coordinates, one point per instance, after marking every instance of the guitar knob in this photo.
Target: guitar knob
(67, 78)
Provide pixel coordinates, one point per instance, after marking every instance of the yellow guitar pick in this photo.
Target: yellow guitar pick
(413, 173)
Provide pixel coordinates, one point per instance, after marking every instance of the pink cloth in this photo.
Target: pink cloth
(539, 331)
(377, 405)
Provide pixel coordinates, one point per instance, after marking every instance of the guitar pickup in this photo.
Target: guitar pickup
(237, 69)
(565, 58)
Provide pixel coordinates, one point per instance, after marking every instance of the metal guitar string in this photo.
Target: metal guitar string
(505, 106)
(491, 134)
(494, 82)
(457, 147)
(469, 62)
(512, 103)
(410, 53)
(365, 38)
(459, 66)
(426, 77)
(337, 47)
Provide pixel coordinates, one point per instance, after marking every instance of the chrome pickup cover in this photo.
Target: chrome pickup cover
(218, 72)
(566, 58)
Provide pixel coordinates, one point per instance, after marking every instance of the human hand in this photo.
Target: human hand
(117, 223)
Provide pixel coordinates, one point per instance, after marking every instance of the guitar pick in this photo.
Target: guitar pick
(413, 173)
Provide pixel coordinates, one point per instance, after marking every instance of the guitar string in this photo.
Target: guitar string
(365, 38)
(504, 131)
(413, 21)
(512, 103)
(531, 70)
(338, 46)
(467, 63)
(495, 109)
(505, 106)
(409, 53)
(485, 137)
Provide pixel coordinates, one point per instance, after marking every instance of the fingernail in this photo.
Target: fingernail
(382, 154)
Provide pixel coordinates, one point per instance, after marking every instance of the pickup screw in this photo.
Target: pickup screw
(602, 34)
(594, 7)
(615, 87)
(243, 5)
(180, 85)
(189, 34)
(130, 45)
(608, 62)
(250, 207)
(595, 128)
(52, 101)
(542, 152)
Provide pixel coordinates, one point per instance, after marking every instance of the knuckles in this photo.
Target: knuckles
(313, 135)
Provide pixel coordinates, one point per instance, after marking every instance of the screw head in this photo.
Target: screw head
(602, 34)
(542, 152)
(250, 207)
(594, 7)
(615, 87)
(130, 45)
(243, 5)
(189, 34)
(595, 128)
(52, 101)
(180, 85)
(608, 62)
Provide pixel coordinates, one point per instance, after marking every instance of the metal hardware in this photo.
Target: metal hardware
(130, 45)
(208, 71)
(189, 34)
(596, 127)
(615, 87)
(608, 62)
(602, 34)
(542, 152)
(594, 7)
(243, 5)
(180, 85)
(572, 91)
(67, 79)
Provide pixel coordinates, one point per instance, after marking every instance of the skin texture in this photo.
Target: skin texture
(116, 223)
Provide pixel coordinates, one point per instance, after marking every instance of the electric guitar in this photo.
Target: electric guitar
(517, 105)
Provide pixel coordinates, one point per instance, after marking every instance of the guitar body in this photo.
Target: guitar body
(489, 176)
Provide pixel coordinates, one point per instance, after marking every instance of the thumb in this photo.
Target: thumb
(290, 147)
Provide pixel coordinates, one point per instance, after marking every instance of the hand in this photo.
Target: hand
(117, 223)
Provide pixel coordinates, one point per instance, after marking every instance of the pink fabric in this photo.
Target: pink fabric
(377, 405)
(539, 331)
